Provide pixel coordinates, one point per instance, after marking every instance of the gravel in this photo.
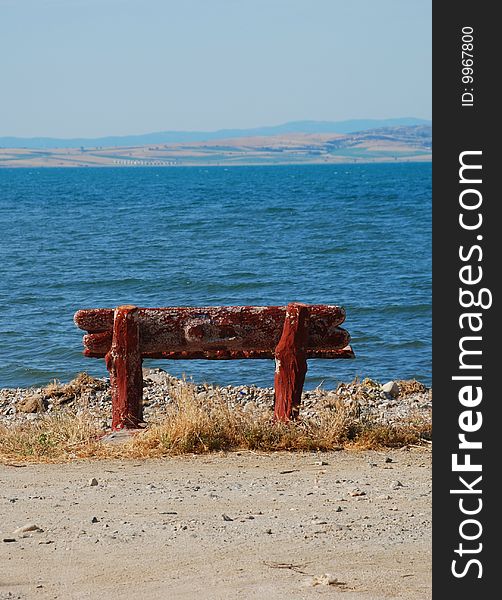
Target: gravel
(368, 398)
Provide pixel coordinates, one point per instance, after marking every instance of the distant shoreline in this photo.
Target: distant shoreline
(416, 160)
(388, 144)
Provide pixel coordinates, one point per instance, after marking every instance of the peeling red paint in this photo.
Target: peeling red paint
(291, 363)
(188, 331)
(124, 363)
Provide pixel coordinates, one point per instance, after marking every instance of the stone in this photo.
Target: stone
(93, 481)
(121, 436)
(326, 579)
(94, 520)
(391, 388)
(31, 404)
(155, 375)
(226, 517)
(26, 528)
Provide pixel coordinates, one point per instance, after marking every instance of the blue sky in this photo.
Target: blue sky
(113, 67)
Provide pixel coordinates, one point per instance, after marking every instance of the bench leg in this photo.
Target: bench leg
(291, 363)
(124, 362)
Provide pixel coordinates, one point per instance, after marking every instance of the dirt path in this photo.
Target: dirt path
(159, 530)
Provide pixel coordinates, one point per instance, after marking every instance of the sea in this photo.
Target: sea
(356, 235)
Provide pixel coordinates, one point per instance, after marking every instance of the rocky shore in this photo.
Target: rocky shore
(389, 403)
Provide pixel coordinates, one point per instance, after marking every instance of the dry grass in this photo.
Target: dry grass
(60, 436)
(66, 392)
(199, 425)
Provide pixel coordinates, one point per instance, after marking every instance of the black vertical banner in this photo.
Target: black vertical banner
(467, 246)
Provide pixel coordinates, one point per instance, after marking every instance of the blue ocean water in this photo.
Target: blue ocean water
(356, 235)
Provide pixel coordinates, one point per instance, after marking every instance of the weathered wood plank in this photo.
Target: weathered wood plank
(346, 352)
(96, 345)
(101, 319)
(94, 319)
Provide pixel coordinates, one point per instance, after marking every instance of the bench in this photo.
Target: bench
(291, 334)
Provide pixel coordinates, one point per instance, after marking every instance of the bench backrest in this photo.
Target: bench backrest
(217, 332)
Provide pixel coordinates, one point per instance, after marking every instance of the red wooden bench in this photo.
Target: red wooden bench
(290, 334)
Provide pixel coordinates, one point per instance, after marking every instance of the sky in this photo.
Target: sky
(91, 68)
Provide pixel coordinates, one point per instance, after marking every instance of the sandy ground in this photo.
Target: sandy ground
(234, 526)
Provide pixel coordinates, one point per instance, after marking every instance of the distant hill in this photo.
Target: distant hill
(170, 137)
(382, 144)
